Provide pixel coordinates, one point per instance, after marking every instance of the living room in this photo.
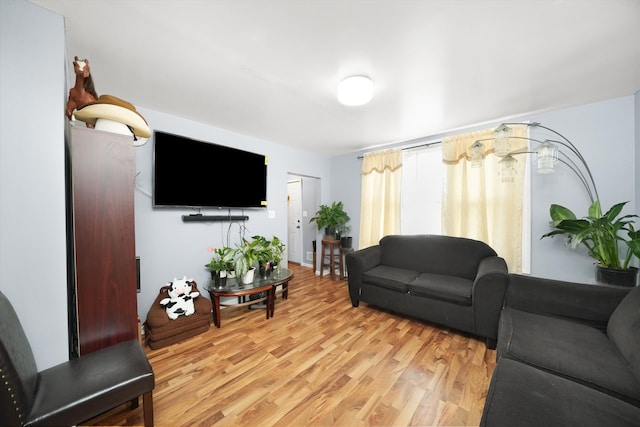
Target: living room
(33, 263)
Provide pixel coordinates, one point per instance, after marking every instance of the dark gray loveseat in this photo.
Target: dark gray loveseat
(452, 281)
(568, 355)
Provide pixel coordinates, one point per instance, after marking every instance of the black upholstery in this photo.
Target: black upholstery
(73, 391)
(568, 355)
(452, 281)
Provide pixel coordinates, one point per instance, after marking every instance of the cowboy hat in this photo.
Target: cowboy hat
(111, 108)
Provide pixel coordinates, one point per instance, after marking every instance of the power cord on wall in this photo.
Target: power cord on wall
(139, 187)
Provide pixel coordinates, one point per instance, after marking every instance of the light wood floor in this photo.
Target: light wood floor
(317, 362)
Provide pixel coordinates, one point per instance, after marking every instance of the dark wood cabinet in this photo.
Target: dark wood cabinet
(101, 176)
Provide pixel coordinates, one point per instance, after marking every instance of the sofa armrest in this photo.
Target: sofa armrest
(586, 303)
(357, 263)
(489, 288)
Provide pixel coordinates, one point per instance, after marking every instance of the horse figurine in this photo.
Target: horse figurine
(83, 92)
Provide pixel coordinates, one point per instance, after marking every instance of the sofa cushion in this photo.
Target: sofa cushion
(394, 278)
(447, 255)
(623, 330)
(447, 288)
(521, 395)
(570, 349)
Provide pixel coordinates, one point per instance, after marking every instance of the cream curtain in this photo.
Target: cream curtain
(480, 203)
(380, 202)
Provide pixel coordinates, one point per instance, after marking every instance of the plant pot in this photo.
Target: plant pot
(330, 233)
(612, 276)
(265, 269)
(247, 278)
(346, 242)
(219, 278)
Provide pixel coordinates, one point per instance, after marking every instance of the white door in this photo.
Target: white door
(294, 241)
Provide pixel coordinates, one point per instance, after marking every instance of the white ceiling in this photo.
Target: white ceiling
(269, 68)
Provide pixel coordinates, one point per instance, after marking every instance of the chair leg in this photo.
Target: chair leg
(147, 403)
(134, 402)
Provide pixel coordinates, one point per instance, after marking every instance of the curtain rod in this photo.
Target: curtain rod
(428, 144)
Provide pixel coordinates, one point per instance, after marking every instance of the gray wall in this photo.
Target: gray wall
(606, 135)
(170, 248)
(32, 189)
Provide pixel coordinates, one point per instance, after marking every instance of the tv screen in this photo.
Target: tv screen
(190, 173)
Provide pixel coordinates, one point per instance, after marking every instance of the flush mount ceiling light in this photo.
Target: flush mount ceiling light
(355, 90)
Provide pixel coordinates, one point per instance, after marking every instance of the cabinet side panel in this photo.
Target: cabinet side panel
(102, 177)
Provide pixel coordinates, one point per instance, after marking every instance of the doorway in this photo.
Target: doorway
(303, 199)
(294, 221)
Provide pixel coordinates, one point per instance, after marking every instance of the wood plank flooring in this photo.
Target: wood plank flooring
(317, 362)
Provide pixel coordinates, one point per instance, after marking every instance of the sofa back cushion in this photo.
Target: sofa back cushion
(623, 328)
(446, 255)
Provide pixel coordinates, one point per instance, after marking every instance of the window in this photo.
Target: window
(422, 176)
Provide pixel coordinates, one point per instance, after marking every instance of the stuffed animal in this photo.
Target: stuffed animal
(180, 300)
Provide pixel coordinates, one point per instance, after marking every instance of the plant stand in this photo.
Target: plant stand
(331, 257)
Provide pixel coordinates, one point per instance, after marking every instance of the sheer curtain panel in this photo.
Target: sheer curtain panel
(381, 196)
(480, 201)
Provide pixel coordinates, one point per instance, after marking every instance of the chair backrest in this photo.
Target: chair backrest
(18, 370)
(623, 328)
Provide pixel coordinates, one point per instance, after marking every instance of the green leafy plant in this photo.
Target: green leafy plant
(246, 255)
(269, 250)
(222, 260)
(333, 216)
(602, 235)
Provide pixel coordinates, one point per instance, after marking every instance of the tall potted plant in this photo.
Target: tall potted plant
(611, 239)
(330, 217)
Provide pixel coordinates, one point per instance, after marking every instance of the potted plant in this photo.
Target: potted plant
(330, 218)
(603, 236)
(346, 242)
(246, 255)
(269, 254)
(264, 255)
(220, 264)
(277, 248)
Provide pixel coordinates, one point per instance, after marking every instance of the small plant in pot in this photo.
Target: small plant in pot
(277, 252)
(221, 263)
(246, 256)
(330, 218)
(604, 236)
(346, 242)
(270, 253)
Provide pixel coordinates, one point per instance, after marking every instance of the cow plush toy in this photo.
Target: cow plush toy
(180, 300)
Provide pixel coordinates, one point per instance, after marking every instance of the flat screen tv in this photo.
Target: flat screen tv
(198, 174)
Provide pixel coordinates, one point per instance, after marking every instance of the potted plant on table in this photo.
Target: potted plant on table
(221, 264)
(246, 256)
(277, 252)
(603, 236)
(330, 218)
(269, 254)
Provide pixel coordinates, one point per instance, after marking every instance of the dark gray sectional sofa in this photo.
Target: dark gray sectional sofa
(568, 354)
(452, 281)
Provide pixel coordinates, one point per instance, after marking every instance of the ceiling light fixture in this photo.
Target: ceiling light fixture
(355, 90)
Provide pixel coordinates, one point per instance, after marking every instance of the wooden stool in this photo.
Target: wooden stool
(331, 257)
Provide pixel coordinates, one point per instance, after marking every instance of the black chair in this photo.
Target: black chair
(71, 392)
